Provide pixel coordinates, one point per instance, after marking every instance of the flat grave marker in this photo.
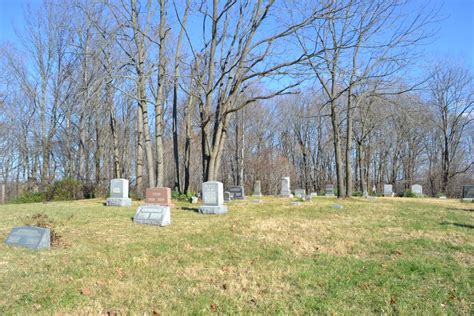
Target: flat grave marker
(31, 237)
(153, 215)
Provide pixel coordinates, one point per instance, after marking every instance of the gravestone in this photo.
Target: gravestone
(309, 198)
(300, 193)
(285, 187)
(227, 196)
(257, 190)
(153, 215)
(468, 193)
(387, 190)
(295, 203)
(237, 192)
(2, 194)
(194, 199)
(417, 189)
(337, 206)
(213, 198)
(119, 193)
(329, 190)
(159, 196)
(31, 237)
(314, 194)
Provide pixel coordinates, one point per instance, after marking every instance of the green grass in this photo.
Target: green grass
(391, 255)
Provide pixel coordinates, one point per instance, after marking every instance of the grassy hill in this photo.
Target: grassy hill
(390, 255)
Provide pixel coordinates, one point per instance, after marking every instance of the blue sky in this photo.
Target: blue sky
(454, 39)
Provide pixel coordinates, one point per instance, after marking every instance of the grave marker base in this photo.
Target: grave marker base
(210, 209)
(119, 202)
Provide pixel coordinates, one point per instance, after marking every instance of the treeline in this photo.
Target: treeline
(174, 93)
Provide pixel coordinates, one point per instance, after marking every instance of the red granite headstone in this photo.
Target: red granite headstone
(159, 196)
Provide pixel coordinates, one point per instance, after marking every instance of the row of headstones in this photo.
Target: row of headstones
(301, 193)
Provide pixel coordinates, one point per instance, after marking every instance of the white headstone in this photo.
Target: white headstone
(2, 193)
(329, 190)
(119, 193)
(285, 187)
(213, 198)
(153, 215)
(300, 193)
(417, 189)
(387, 190)
(257, 190)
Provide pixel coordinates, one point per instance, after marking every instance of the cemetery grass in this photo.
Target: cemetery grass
(391, 255)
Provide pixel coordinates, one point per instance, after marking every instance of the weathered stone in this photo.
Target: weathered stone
(417, 189)
(388, 190)
(300, 193)
(468, 193)
(31, 237)
(285, 187)
(257, 190)
(153, 215)
(2, 194)
(329, 190)
(119, 193)
(213, 198)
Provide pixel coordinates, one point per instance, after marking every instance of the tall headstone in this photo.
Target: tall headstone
(300, 193)
(237, 192)
(30, 237)
(387, 190)
(2, 194)
(468, 193)
(157, 210)
(119, 193)
(213, 198)
(257, 190)
(417, 189)
(329, 190)
(285, 187)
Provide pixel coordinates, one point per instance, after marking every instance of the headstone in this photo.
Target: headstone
(227, 196)
(2, 194)
(194, 199)
(285, 187)
(337, 206)
(153, 215)
(309, 198)
(257, 201)
(387, 190)
(237, 192)
(30, 237)
(300, 193)
(213, 198)
(159, 196)
(257, 190)
(442, 197)
(314, 194)
(329, 190)
(365, 194)
(417, 189)
(119, 193)
(295, 203)
(468, 193)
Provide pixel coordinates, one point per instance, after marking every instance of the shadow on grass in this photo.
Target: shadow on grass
(460, 209)
(194, 209)
(458, 225)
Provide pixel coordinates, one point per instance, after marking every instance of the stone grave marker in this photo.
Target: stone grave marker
(417, 189)
(295, 203)
(257, 190)
(159, 196)
(329, 190)
(213, 198)
(387, 190)
(153, 214)
(300, 193)
(227, 196)
(309, 198)
(31, 237)
(237, 192)
(314, 194)
(285, 187)
(468, 193)
(119, 193)
(337, 206)
(194, 200)
(2, 194)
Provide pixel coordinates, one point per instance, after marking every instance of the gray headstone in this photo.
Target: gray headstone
(329, 190)
(300, 193)
(213, 198)
(285, 187)
(387, 190)
(257, 190)
(227, 196)
(442, 197)
(314, 194)
(417, 189)
(295, 203)
(153, 215)
(119, 193)
(237, 192)
(30, 237)
(337, 206)
(2, 194)
(468, 193)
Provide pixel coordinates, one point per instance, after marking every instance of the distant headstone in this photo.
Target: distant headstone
(365, 194)
(387, 190)
(442, 197)
(337, 206)
(30, 237)
(159, 196)
(417, 189)
(227, 196)
(194, 199)
(237, 192)
(257, 190)
(257, 201)
(119, 193)
(300, 193)
(295, 203)
(309, 198)
(329, 190)
(2, 194)
(285, 187)
(314, 194)
(468, 193)
(153, 215)
(213, 198)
